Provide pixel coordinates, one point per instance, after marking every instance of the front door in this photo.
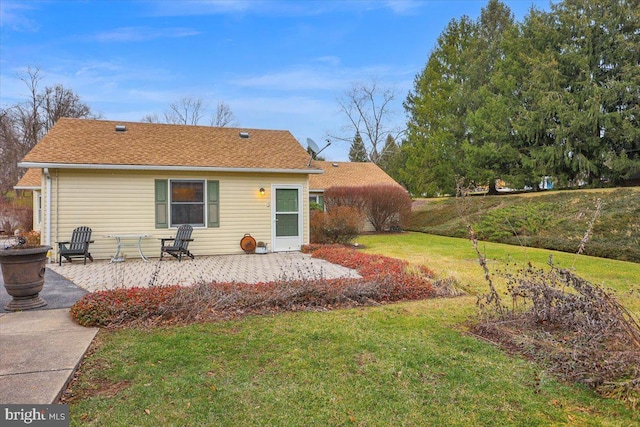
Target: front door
(287, 217)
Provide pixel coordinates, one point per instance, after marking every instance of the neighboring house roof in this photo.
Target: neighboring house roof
(32, 180)
(75, 143)
(348, 174)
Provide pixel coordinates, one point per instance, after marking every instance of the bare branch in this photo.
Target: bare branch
(224, 116)
(185, 111)
(367, 109)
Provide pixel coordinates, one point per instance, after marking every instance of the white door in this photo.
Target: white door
(287, 217)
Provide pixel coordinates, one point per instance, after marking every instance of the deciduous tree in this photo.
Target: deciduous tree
(368, 110)
(223, 116)
(22, 125)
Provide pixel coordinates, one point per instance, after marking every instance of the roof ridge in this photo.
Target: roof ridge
(127, 122)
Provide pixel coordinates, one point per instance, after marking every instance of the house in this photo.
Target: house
(148, 179)
(32, 181)
(346, 174)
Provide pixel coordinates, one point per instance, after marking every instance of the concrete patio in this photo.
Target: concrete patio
(102, 275)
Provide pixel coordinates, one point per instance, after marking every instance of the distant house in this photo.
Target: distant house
(144, 178)
(32, 181)
(346, 174)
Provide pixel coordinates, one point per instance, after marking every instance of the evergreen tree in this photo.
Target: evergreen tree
(357, 152)
(489, 145)
(391, 159)
(556, 95)
(436, 127)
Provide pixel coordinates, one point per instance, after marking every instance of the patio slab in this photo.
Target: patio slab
(102, 275)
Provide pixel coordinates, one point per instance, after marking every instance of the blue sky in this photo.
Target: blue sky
(277, 64)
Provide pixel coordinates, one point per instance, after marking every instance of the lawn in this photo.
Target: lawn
(456, 258)
(400, 364)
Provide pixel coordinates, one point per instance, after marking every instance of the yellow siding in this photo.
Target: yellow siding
(123, 202)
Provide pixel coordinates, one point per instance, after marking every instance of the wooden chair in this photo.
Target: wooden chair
(78, 247)
(180, 243)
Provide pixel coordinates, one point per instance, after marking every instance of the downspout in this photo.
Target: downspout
(48, 224)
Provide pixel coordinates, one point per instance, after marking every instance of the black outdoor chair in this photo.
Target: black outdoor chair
(180, 243)
(78, 247)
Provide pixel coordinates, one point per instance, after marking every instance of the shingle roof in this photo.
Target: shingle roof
(31, 180)
(96, 142)
(348, 174)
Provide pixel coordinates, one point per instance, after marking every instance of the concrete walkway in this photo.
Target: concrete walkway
(40, 349)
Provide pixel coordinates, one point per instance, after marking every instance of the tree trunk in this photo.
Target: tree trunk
(492, 188)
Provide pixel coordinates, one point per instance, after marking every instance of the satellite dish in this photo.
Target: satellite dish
(312, 146)
(315, 150)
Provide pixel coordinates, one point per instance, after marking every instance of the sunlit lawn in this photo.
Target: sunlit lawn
(451, 257)
(402, 364)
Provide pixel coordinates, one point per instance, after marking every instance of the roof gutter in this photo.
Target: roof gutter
(163, 168)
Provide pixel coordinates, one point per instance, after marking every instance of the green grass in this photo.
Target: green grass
(404, 364)
(552, 220)
(454, 257)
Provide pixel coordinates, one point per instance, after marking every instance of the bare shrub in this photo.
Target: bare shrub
(385, 206)
(576, 328)
(344, 196)
(341, 225)
(15, 216)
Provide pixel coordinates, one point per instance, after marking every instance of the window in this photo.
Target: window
(318, 199)
(38, 196)
(187, 203)
(193, 202)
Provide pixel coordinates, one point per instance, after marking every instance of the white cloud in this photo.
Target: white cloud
(257, 7)
(332, 61)
(138, 34)
(403, 6)
(13, 16)
(307, 78)
(201, 7)
(290, 80)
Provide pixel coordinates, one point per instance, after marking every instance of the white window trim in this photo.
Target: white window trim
(38, 195)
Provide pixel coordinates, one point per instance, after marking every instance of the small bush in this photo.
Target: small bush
(121, 306)
(341, 224)
(400, 280)
(313, 206)
(32, 238)
(15, 214)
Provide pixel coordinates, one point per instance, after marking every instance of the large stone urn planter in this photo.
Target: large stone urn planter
(23, 275)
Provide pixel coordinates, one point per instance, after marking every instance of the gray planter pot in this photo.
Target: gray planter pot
(23, 275)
